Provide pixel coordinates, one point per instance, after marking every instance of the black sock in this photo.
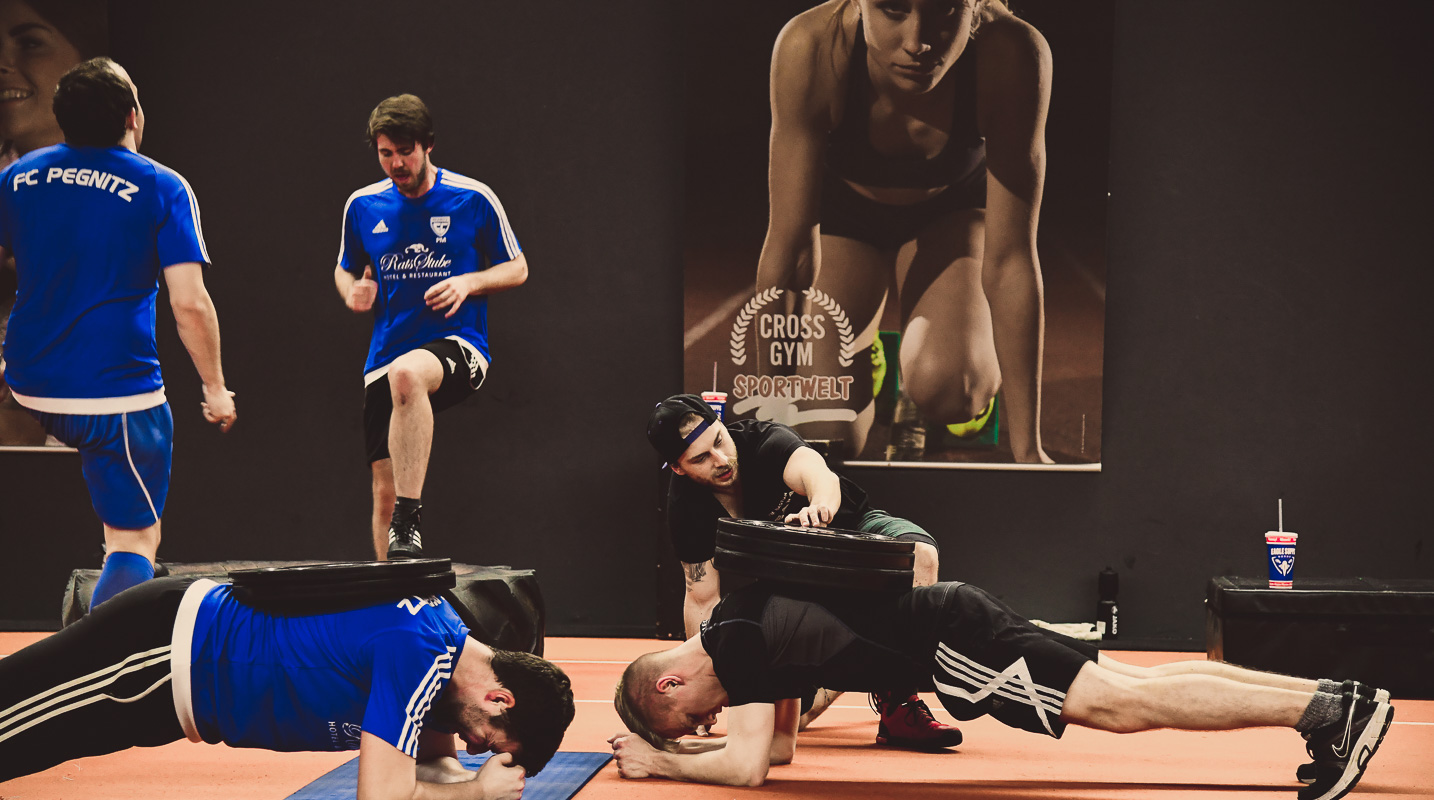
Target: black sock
(406, 509)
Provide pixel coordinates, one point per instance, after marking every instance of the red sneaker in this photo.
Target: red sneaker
(907, 722)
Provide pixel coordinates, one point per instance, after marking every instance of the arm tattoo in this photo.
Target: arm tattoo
(695, 572)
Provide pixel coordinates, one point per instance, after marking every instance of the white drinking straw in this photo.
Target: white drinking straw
(714, 376)
(1282, 515)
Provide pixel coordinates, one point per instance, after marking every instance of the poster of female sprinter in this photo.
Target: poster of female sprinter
(895, 231)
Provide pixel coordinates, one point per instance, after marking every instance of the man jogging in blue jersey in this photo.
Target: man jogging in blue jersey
(415, 249)
(182, 658)
(93, 225)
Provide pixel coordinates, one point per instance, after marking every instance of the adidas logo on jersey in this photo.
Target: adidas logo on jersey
(380, 227)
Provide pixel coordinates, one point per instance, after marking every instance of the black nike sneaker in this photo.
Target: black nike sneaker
(404, 540)
(1306, 772)
(1342, 749)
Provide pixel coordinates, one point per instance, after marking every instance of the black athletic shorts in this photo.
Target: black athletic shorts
(991, 660)
(99, 686)
(852, 215)
(462, 375)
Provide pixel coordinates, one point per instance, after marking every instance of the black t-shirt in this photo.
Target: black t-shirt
(768, 644)
(763, 450)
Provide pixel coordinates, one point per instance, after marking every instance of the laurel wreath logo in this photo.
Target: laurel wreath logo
(738, 343)
(843, 325)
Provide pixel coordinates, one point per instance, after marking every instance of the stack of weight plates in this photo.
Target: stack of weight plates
(327, 588)
(826, 557)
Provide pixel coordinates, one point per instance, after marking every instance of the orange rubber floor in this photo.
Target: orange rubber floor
(836, 759)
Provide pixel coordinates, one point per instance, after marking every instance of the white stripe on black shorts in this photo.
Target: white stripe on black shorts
(991, 660)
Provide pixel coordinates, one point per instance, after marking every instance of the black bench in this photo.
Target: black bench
(1376, 631)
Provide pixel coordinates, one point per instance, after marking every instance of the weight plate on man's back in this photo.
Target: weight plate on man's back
(813, 551)
(833, 538)
(802, 573)
(342, 586)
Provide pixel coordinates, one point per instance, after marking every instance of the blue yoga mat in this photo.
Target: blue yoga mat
(559, 780)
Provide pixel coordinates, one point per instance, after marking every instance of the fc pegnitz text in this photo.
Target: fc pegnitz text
(92, 178)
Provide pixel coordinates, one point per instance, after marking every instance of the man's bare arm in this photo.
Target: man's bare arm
(743, 760)
(448, 295)
(438, 759)
(386, 773)
(198, 325)
(807, 474)
(703, 592)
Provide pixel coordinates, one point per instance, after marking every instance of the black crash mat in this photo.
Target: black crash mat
(502, 606)
(1369, 629)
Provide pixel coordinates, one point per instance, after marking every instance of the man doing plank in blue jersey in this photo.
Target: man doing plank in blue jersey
(92, 225)
(182, 658)
(422, 249)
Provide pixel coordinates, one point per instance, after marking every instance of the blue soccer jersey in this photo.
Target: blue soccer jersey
(91, 228)
(318, 682)
(457, 227)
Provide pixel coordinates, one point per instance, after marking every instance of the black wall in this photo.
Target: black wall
(1267, 321)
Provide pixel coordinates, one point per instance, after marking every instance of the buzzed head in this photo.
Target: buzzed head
(638, 701)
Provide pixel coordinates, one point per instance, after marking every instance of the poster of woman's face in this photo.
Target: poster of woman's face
(895, 230)
(39, 41)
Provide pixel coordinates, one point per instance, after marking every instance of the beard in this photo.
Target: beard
(450, 715)
(447, 714)
(727, 478)
(418, 176)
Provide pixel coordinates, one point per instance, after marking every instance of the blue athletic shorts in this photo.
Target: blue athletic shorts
(125, 458)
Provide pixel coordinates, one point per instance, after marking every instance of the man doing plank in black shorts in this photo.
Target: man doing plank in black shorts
(764, 646)
(753, 469)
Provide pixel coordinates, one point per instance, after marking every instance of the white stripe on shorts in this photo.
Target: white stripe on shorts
(1014, 683)
(124, 424)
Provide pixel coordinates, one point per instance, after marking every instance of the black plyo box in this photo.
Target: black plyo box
(1375, 631)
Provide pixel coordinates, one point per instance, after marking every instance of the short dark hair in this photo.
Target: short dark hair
(402, 118)
(542, 705)
(92, 103)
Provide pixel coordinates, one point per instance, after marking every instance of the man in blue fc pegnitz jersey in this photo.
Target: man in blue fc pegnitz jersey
(422, 249)
(93, 225)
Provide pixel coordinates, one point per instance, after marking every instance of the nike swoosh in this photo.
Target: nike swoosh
(1341, 750)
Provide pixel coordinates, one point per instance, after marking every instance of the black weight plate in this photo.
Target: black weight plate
(850, 578)
(381, 586)
(341, 572)
(834, 538)
(812, 554)
(293, 599)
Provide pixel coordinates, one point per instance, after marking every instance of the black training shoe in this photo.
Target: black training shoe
(1306, 773)
(907, 722)
(404, 540)
(1343, 749)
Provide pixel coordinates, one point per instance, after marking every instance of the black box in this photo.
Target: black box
(1376, 631)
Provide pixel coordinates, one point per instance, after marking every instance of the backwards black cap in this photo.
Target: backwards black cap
(666, 420)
